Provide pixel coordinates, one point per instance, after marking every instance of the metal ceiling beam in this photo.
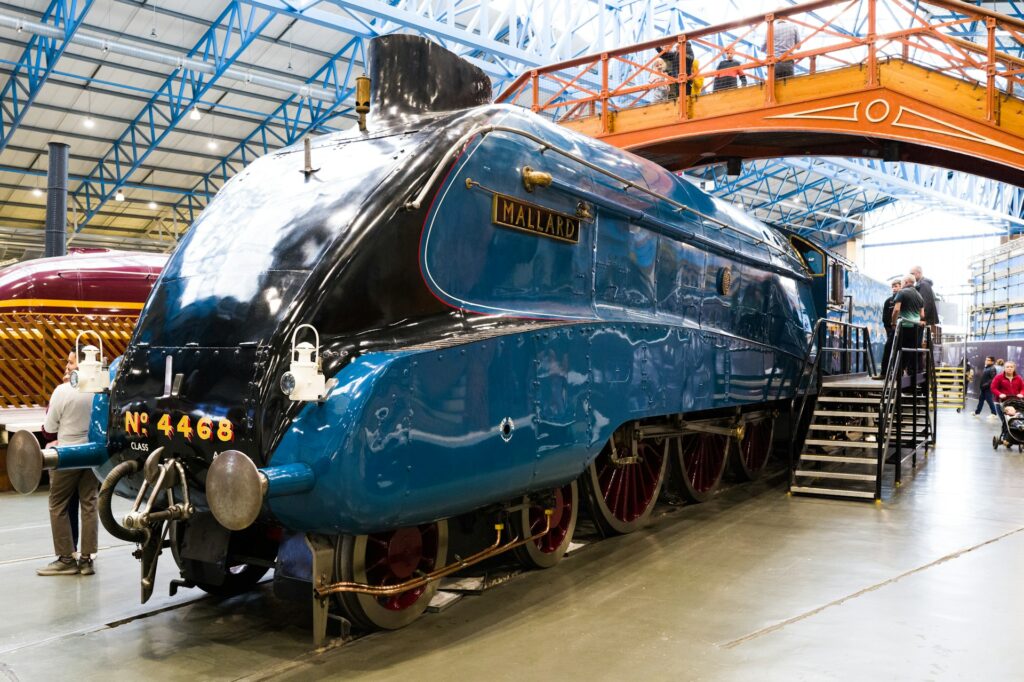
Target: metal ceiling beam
(37, 63)
(301, 116)
(222, 44)
(166, 189)
(795, 197)
(899, 181)
(362, 28)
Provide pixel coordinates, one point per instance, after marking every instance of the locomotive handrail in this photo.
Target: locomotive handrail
(460, 143)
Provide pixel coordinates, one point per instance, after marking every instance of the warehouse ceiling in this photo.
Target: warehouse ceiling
(160, 104)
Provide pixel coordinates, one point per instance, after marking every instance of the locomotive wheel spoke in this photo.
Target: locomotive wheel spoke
(390, 558)
(621, 495)
(701, 460)
(548, 550)
(753, 450)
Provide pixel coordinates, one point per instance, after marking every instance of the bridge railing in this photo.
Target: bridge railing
(954, 37)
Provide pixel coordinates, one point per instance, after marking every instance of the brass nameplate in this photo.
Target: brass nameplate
(519, 215)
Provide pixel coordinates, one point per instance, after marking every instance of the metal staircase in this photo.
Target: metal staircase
(859, 424)
(839, 453)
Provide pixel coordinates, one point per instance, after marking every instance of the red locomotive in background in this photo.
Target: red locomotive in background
(46, 302)
(86, 281)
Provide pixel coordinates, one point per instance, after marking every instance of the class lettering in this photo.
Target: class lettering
(510, 212)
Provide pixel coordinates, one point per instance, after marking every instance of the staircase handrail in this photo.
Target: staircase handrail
(890, 405)
(813, 371)
(886, 410)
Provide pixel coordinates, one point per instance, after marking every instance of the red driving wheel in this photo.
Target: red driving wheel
(701, 460)
(530, 520)
(753, 449)
(390, 558)
(622, 488)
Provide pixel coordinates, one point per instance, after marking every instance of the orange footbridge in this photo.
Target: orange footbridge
(914, 92)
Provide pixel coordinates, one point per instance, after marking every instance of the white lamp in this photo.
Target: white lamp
(304, 380)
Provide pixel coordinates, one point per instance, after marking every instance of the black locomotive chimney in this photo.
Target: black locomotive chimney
(57, 200)
(412, 75)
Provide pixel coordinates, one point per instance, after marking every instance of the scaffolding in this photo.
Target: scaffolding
(997, 293)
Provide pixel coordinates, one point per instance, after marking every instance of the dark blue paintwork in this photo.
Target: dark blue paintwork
(569, 341)
(411, 436)
(868, 296)
(289, 479)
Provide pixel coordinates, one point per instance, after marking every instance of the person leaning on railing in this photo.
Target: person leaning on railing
(728, 81)
(906, 316)
(659, 68)
(671, 58)
(786, 38)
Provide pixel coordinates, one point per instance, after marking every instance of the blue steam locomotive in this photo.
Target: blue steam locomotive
(459, 311)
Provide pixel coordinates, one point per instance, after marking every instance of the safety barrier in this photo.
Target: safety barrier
(600, 85)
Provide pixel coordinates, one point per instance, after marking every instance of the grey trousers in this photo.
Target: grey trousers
(62, 485)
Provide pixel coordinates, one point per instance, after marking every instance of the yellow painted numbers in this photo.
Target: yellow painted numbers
(206, 428)
(185, 427)
(225, 431)
(164, 425)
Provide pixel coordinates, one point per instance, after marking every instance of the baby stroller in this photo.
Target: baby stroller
(1013, 425)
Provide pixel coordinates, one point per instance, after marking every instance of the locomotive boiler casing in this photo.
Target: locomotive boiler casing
(475, 354)
(573, 339)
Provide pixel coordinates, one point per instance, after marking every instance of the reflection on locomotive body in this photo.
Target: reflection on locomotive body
(505, 375)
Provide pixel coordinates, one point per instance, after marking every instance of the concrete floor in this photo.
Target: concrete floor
(753, 585)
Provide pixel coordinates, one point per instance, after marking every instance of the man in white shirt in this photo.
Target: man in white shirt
(67, 417)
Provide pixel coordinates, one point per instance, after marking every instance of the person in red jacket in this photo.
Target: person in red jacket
(1008, 384)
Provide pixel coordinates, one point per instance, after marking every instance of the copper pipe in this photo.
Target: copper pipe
(322, 592)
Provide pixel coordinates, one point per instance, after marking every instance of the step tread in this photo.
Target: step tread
(830, 413)
(839, 459)
(841, 444)
(838, 475)
(843, 399)
(834, 492)
(841, 427)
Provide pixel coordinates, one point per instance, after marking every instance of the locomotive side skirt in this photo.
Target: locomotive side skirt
(401, 435)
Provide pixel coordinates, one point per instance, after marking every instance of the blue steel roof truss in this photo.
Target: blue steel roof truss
(36, 64)
(503, 40)
(302, 115)
(222, 44)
